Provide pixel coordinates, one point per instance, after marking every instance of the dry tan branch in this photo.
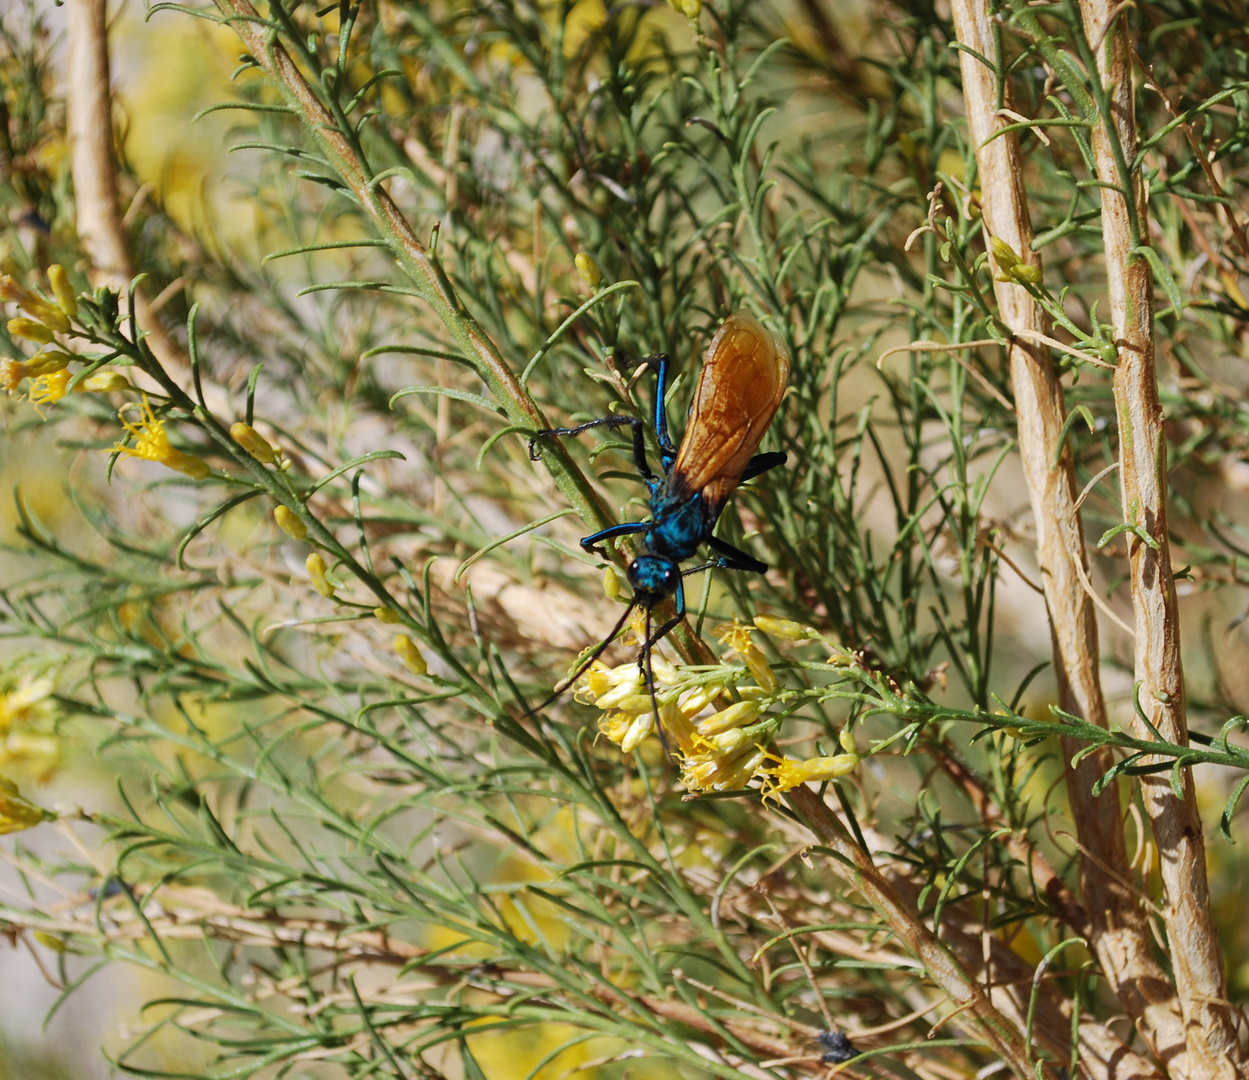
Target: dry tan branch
(185, 914)
(1195, 955)
(1003, 1033)
(100, 224)
(983, 977)
(1117, 928)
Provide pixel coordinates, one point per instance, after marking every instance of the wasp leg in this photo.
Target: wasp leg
(670, 625)
(761, 463)
(648, 673)
(617, 421)
(591, 543)
(715, 564)
(587, 663)
(667, 452)
(733, 559)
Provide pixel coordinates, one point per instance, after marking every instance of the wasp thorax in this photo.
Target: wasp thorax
(653, 577)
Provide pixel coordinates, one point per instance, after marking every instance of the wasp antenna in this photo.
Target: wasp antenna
(584, 666)
(649, 670)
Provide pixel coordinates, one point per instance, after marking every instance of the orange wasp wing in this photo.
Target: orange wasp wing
(743, 379)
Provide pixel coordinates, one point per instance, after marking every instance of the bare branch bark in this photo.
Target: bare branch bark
(1195, 953)
(1117, 928)
(94, 168)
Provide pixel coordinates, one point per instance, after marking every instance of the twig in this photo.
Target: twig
(1082, 572)
(1039, 132)
(953, 350)
(1054, 343)
(1088, 488)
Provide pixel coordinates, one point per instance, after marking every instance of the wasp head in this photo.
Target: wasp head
(652, 578)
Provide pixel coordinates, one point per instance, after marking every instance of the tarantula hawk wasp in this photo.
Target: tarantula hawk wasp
(743, 378)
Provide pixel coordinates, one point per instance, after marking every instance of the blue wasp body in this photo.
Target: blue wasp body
(743, 378)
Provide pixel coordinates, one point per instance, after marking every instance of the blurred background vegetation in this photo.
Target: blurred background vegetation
(277, 804)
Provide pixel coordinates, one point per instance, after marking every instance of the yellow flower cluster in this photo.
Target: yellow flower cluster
(48, 370)
(719, 727)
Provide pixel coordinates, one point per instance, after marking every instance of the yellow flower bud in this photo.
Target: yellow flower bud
(317, 571)
(289, 522)
(387, 615)
(52, 317)
(410, 653)
(691, 9)
(785, 629)
(50, 941)
(13, 293)
(187, 464)
(738, 714)
(1024, 272)
(611, 583)
(695, 701)
(48, 360)
(1007, 257)
(588, 269)
(33, 304)
(728, 742)
(253, 442)
(759, 667)
(104, 381)
(634, 704)
(846, 738)
(30, 330)
(15, 812)
(641, 726)
(66, 299)
(665, 673)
